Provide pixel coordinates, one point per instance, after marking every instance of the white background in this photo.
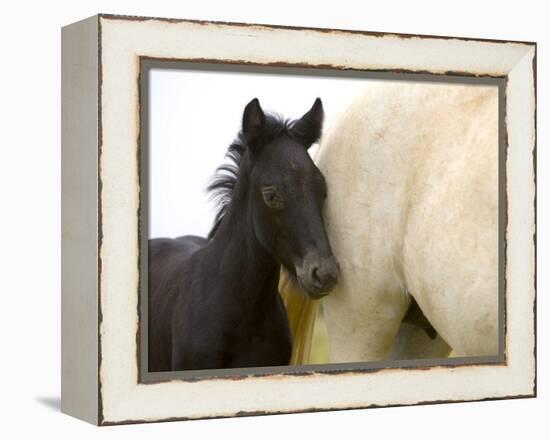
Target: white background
(30, 219)
(195, 114)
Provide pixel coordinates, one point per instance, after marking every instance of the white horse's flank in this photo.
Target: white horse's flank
(412, 210)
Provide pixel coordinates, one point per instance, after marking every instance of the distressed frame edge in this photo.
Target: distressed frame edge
(535, 195)
(100, 413)
(315, 410)
(101, 419)
(531, 55)
(125, 17)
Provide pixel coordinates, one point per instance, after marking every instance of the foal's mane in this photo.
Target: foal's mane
(223, 182)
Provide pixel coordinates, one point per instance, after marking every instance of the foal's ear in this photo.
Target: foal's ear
(308, 127)
(253, 123)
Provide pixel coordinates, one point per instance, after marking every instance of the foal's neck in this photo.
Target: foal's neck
(251, 268)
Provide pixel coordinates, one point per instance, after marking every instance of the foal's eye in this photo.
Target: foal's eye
(272, 197)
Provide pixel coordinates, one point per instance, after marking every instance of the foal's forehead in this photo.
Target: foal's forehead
(287, 164)
(287, 154)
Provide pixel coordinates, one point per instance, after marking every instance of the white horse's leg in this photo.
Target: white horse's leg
(412, 342)
(417, 339)
(465, 315)
(362, 327)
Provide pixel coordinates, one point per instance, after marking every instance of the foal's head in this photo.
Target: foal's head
(286, 193)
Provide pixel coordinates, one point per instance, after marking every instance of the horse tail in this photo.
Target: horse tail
(301, 312)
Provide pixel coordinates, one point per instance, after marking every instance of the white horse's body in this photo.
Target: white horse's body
(412, 210)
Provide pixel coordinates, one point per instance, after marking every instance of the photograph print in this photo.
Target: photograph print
(303, 218)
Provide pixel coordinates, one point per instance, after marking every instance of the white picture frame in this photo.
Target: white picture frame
(101, 207)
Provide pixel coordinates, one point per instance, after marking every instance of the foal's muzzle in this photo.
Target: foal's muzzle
(318, 275)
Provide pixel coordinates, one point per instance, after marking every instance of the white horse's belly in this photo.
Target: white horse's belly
(412, 206)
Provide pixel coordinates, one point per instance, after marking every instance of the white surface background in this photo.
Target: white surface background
(30, 220)
(195, 115)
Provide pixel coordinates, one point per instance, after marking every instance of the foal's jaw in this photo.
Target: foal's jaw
(317, 275)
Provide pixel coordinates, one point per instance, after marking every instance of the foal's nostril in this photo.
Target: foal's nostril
(324, 275)
(315, 275)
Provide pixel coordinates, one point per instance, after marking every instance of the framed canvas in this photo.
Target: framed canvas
(391, 219)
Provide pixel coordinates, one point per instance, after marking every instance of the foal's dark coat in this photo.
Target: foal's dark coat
(213, 303)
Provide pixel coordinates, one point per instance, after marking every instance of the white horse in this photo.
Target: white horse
(412, 216)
